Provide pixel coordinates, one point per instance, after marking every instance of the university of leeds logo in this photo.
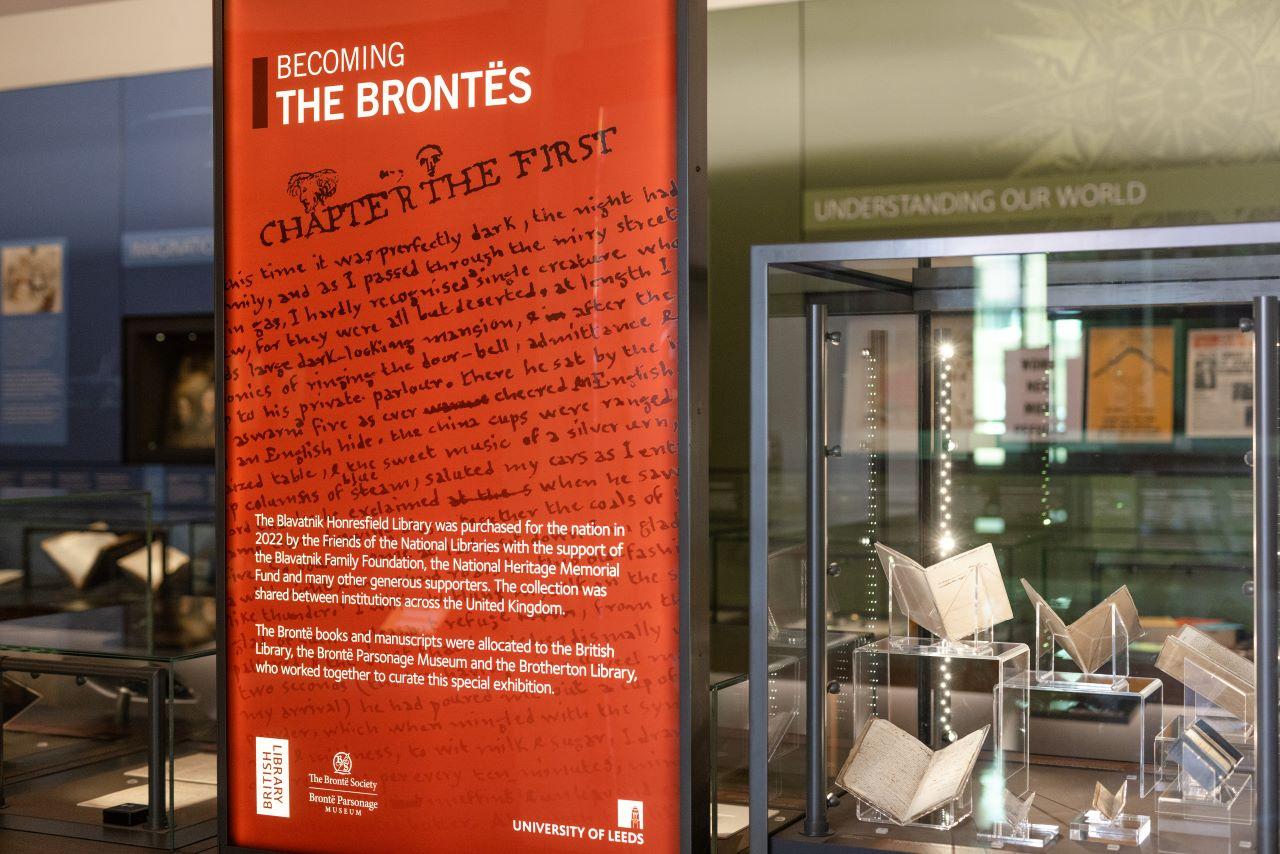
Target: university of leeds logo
(342, 763)
(631, 815)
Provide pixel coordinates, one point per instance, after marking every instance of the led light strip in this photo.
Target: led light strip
(869, 446)
(946, 538)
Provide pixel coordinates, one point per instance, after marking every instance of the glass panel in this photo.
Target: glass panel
(182, 629)
(72, 552)
(77, 758)
(1086, 416)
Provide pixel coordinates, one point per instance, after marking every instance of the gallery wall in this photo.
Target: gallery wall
(823, 111)
(103, 165)
(79, 40)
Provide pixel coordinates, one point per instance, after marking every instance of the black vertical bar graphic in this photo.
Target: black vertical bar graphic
(259, 92)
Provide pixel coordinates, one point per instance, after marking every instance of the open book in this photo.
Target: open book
(955, 598)
(1110, 806)
(1205, 756)
(1091, 640)
(1198, 661)
(1017, 811)
(145, 563)
(77, 553)
(892, 771)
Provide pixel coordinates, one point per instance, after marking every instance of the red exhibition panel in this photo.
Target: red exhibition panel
(451, 447)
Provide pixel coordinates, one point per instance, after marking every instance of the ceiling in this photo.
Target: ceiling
(17, 7)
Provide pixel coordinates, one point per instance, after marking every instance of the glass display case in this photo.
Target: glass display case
(110, 728)
(77, 551)
(107, 670)
(1036, 475)
(729, 720)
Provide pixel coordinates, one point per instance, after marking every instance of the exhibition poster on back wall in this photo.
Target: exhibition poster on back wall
(451, 442)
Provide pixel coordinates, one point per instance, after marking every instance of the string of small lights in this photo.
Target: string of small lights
(870, 446)
(946, 536)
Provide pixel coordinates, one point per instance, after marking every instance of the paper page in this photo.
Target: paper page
(1211, 660)
(1051, 621)
(184, 795)
(8, 576)
(135, 563)
(192, 768)
(885, 768)
(969, 592)
(76, 552)
(1017, 811)
(1089, 639)
(732, 819)
(1219, 391)
(910, 588)
(1204, 756)
(1211, 749)
(948, 771)
(1110, 806)
(1210, 654)
(1093, 633)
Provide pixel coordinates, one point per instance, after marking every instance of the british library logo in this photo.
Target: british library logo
(273, 777)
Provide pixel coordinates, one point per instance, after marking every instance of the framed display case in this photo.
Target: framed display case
(80, 551)
(168, 389)
(113, 736)
(1037, 476)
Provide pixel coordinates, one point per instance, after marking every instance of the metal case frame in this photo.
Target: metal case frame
(824, 260)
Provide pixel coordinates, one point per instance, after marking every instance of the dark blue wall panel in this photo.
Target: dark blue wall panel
(89, 162)
(60, 176)
(168, 184)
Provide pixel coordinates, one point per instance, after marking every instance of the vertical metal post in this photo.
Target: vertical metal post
(158, 730)
(815, 820)
(1266, 506)
(927, 452)
(1, 733)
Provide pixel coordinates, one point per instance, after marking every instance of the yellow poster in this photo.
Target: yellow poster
(1130, 392)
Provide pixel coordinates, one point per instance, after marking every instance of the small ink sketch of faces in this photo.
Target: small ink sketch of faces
(31, 279)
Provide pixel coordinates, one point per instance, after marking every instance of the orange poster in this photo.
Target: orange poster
(451, 452)
(1130, 389)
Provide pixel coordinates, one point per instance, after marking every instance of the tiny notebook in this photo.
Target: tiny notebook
(891, 770)
(145, 563)
(954, 598)
(1092, 639)
(1205, 756)
(78, 553)
(1017, 811)
(1110, 806)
